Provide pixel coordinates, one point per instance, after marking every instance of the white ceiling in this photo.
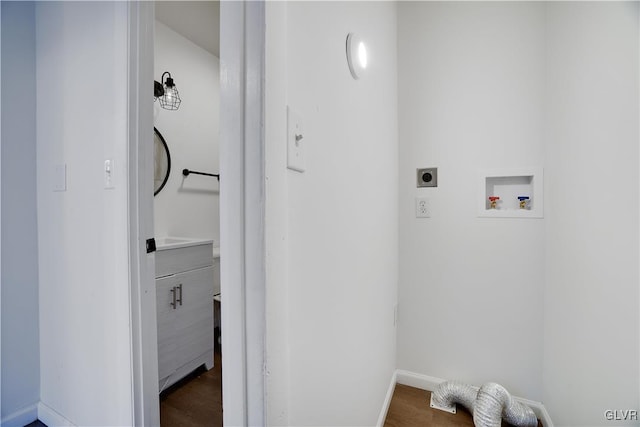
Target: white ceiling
(198, 21)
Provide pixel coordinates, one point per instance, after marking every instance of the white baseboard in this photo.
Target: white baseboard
(21, 417)
(387, 401)
(52, 418)
(425, 382)
(538, 409)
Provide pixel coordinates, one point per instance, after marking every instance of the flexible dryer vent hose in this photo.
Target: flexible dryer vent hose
(489, 405)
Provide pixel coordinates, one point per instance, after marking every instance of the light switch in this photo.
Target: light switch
(60, 177)
(108, 174)
(296, 141)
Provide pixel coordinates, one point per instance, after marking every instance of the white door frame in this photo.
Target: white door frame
(241, 213)
(144, 342)
(242, 33)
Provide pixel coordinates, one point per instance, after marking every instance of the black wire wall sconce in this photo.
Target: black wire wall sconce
(166, 93)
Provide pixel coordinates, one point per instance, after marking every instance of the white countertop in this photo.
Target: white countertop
(171, 242)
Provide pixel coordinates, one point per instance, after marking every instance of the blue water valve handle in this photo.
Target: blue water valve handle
(523, 201)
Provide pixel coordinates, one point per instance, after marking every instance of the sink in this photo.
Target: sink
(164, 243)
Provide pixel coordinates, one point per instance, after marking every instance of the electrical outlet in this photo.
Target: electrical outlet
(423, 207)
(427, 177)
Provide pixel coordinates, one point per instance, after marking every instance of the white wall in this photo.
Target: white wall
(85, 343)
(341, 216)
(188, 207)
(471, 96)
(591, 291)
(20, 339)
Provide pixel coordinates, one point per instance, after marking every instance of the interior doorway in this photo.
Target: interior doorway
(187, 211)
(241, 213)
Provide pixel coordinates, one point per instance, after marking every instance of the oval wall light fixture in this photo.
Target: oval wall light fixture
(356, 55)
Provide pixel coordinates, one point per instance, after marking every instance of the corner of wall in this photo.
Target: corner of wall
(387, 400)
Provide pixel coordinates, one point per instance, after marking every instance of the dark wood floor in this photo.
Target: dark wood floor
(196, 401)
(410, 408)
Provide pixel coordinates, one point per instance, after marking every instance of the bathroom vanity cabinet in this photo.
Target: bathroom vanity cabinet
(184, 295)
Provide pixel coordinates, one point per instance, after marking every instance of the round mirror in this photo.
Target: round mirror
(161, 161)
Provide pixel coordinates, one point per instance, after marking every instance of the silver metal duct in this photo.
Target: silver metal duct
(449, 393)
(488, 405)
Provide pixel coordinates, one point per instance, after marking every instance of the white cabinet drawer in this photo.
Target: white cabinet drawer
(177, 260)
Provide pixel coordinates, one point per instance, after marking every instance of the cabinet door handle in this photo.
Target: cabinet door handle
(180, 289)
(173, 297)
